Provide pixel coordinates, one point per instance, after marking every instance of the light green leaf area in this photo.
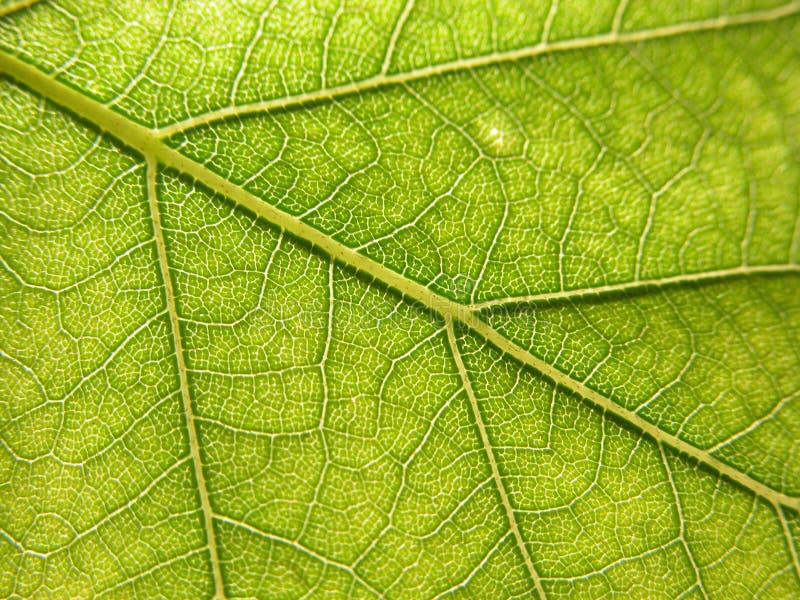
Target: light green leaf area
(403, 300)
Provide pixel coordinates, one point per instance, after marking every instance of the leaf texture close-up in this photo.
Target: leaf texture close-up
(410, 299)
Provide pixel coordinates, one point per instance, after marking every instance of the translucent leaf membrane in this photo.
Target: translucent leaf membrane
(546, 174)
(336, 438)
(715, 364)
(606, 512)
(169, 61)
(438, 32)
(592, 393)
(97, 494)
(173, 60)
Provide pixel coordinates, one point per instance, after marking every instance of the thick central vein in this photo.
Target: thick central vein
(191, 427)
(146, 141)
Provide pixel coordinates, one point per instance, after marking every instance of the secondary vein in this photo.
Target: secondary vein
(146, 141)
(383, 79)
(487, 446)
(191, 427)
(633, 286)
(14, 7)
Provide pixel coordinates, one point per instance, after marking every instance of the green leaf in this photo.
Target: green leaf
(399, 300)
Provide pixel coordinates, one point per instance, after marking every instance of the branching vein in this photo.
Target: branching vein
(146, 141)
(642, 284)
(487, 446)
(10, 9)
(194, 446)
(465, 64)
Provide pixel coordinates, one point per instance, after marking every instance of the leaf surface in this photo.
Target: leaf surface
(399, 301)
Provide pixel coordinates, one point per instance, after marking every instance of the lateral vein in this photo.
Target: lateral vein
(633, 286)
(383, 79)
(194, 446)
(145, 141)
(787, 533)
(593, 397)
(487, 446)
(14, 7)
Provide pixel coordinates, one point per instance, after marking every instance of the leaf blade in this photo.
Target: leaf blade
(266, 376)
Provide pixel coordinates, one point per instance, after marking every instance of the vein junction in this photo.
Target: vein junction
(383, 79)
(194, 446)
(148, 143)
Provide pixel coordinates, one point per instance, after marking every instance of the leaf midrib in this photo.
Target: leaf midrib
(150, 144)
(153, 148)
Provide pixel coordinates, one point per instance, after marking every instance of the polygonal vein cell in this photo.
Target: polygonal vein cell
(301, 389)
(98, 495)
